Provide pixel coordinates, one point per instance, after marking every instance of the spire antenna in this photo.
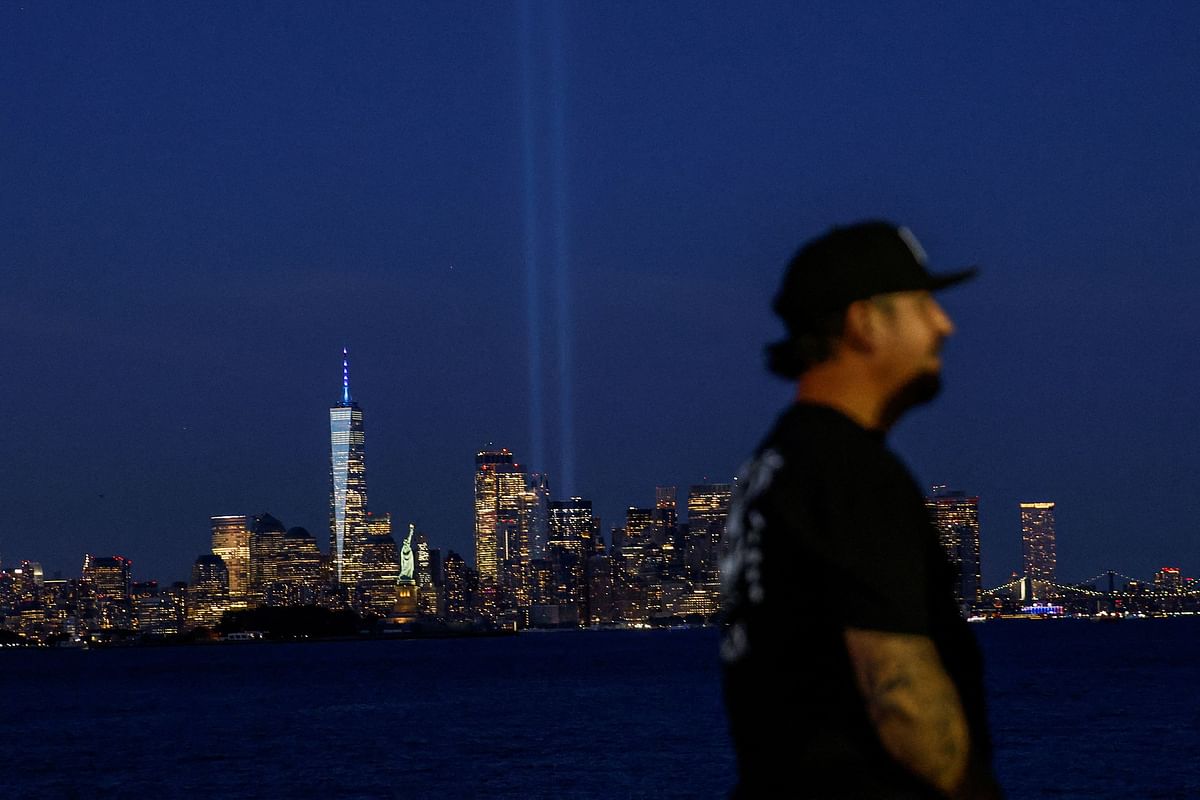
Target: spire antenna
(345, 377)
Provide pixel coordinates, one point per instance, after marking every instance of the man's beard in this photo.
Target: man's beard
(921, 389)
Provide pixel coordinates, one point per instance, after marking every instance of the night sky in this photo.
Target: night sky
(557, 228)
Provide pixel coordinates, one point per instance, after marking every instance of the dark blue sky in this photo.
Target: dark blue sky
(202, 203)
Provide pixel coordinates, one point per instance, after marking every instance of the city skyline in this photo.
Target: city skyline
(505, 492)
(501, 485)
(558, 228)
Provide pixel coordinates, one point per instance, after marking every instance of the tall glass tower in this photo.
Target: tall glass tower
(499, 485)
(348, 483)
(1039, 554)
(956, 516)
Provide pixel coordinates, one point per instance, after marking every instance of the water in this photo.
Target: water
(1083, 709)
(1079, 710)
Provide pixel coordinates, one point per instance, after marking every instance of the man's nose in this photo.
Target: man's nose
(944, 323)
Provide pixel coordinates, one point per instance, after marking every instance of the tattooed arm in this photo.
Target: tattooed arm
(915, 707)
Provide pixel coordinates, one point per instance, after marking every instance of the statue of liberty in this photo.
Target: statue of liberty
(406, 556)
(405, 611)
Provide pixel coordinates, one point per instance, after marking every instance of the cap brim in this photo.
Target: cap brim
(949, 279)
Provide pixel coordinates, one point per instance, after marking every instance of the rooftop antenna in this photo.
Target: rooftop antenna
(345, 377)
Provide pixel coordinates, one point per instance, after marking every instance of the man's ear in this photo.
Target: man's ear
(861, 326)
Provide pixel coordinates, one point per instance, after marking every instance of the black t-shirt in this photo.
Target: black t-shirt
(828, 530)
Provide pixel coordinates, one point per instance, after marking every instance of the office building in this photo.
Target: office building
(955, 515)
(571, 542)
(1168, 580)
(348, 483)
(535, 517)
(457, 590)
(208, 592)
(1038, 551)
(231, 542)
(110, 576)
(430, 598)
(299, 572)
(500, 486)
(669, 546)
(708, 509)
(266, 557)
(376, 588)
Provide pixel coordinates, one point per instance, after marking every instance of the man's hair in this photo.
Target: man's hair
(803, 350)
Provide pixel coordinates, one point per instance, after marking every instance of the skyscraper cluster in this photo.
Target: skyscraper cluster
(268, 564)
(543, 561)
(955, 515)
(539, 560)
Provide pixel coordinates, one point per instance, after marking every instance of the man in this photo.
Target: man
(842, 627)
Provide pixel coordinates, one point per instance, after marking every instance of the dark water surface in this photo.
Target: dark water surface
(1079, 709)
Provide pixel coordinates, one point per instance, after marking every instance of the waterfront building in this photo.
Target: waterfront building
(955, 515)
(155, 612)
(286, 566)
(500, 537)
(26, 582)
(629, 590)
(1038, 549)
(109, 575)
(266, 556)
(571, 542)
(298, 574)
(702, 599)
(535, 516)
(376, 588)
(208, 592)
(231, 542)
(543, 584)
(457, 607)
(348, 483)
(110, 578)
(1168, 580)
(430, 598)
(708, 509)
(602, 605)
(668, 544)
(572, 526)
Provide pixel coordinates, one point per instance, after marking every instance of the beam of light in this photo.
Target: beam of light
(561, 245)
(532, 275)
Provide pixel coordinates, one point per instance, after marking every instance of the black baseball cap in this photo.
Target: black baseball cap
(851, 263)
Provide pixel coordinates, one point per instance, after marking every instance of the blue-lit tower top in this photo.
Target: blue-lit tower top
(346, 378)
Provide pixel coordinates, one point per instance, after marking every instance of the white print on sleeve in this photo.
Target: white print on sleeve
(741, 566)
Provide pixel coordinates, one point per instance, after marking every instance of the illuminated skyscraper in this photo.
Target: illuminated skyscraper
(208, 593)
(348, 483)
(572, 526)
(1168, 579)
(708, 508)
(456, 587)
(668, 547)
(535, 517)
(572, 532)
(428, 564)
(231, 542)
(499, 490)
(266, 557)
(956, 518)
(110, 579)
(1038, 551)
(376, 589)
(111, 576)
(299, 571)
